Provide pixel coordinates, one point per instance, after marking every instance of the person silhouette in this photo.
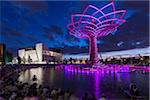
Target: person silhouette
(34, 78)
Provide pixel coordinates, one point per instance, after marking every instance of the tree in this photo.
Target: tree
(8, 57)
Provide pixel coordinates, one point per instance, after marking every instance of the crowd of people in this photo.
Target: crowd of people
(15, 90)
(12, 89)
(6, 71)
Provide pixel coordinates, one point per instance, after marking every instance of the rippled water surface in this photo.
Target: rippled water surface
(110, 83)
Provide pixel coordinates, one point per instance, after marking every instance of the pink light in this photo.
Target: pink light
(93, 20)
(103, 70)
(90, 26)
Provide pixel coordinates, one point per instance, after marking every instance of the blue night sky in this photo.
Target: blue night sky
(22, 24)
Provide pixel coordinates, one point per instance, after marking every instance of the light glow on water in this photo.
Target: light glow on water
(80, 79)
(103, 68)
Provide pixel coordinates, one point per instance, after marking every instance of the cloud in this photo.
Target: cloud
(74, 50)
(53, 29)
(100, 42)
(70, 38)
(32, 6)
(140, 5)
(56, 29)
(53, 33)
(48, 36)
(20, 42)
(83, 4)
(130, 13)
(22, 17)
(8, 32)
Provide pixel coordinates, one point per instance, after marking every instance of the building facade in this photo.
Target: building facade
(2, 53)
(39, 55)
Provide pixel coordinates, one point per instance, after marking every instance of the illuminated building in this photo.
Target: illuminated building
(40, 55)
(2, 54)
(94, 23)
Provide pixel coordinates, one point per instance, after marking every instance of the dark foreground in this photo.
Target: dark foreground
(111, 84)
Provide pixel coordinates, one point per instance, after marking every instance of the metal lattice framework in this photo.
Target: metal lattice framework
(94, 23)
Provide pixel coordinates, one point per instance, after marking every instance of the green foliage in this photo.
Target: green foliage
(8, 57)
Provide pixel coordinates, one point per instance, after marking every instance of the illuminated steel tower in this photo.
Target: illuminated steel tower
(94, 23)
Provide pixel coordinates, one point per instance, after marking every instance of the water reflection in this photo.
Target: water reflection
(80, 81)
(26, 76)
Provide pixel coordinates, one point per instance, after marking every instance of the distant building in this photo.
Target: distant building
(2, 53)
(39, 55)
(114, 54)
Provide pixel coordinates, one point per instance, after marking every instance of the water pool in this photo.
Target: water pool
(79, 81)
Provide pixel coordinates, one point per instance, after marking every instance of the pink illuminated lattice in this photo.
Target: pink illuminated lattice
(96, 22)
